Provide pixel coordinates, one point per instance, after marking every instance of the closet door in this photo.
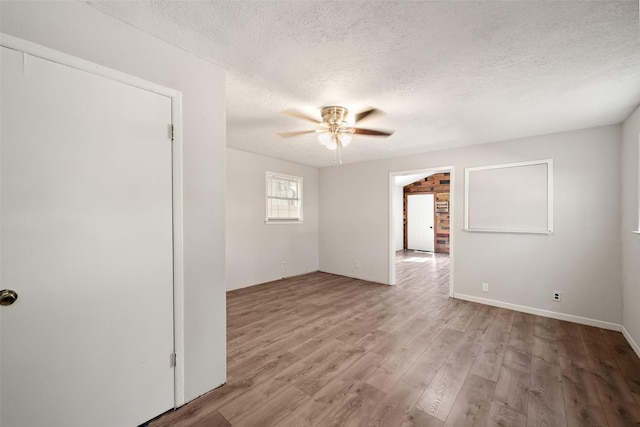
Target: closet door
(86, 234)
(420, 222)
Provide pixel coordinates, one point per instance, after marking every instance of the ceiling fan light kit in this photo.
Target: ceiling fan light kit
(336, 129)
(331, 142)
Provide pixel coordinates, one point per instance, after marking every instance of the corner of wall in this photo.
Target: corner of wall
(630, 199)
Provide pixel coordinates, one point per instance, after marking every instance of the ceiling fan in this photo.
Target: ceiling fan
(336, 127)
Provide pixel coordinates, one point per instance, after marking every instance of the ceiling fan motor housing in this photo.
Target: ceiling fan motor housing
(334, 115)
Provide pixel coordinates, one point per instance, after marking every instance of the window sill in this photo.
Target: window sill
(636, 232)
(276, 222)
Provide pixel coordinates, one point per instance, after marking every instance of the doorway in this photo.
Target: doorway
(442, 211)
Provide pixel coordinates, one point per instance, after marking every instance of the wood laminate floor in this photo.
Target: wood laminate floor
(326, 350)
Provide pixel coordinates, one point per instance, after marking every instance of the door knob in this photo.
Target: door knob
(8, 297)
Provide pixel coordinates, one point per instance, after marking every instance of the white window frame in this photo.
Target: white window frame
(275, 220)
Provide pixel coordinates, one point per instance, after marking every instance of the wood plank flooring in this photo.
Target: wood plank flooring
(325, 350)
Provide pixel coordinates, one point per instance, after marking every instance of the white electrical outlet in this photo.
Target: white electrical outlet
(485, 287)
(284, 265)
(557, 296)
(357, 264)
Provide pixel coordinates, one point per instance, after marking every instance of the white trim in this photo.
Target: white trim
(83, 65)
(178, 220)
(391, 236)
(497, 230)
(634, 345)
(544, 313)
(391, 241)
(178, 251)
(638, 188)
(548, 162)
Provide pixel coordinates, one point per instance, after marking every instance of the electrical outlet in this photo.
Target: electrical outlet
(357, 264)
(557, 296)
(485, 287)
(284, 265)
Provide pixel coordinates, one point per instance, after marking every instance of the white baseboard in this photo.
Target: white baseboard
(544, 313)
(634, 345)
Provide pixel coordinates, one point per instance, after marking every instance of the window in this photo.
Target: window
(284, 198)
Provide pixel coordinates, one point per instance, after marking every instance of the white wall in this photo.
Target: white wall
(255, 250)
(354, 207)
(630, 241)
(581, 259)
(398, 218)
(79, 30)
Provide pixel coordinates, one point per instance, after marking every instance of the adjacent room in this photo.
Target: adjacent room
(315, 213)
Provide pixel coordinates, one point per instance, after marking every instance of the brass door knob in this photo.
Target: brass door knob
(8, 297)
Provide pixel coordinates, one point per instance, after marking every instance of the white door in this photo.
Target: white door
(86, 232)
(420, 222)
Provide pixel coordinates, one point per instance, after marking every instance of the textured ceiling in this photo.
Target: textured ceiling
(447, 74)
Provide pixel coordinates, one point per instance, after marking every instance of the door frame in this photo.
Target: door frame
(46, 53)
(391, 240)
(405, 202)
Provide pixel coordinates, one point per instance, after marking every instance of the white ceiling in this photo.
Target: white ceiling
(402, 180)
(447, 74)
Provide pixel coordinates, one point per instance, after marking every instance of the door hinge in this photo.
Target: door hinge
(172, 132)
(173, 360)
